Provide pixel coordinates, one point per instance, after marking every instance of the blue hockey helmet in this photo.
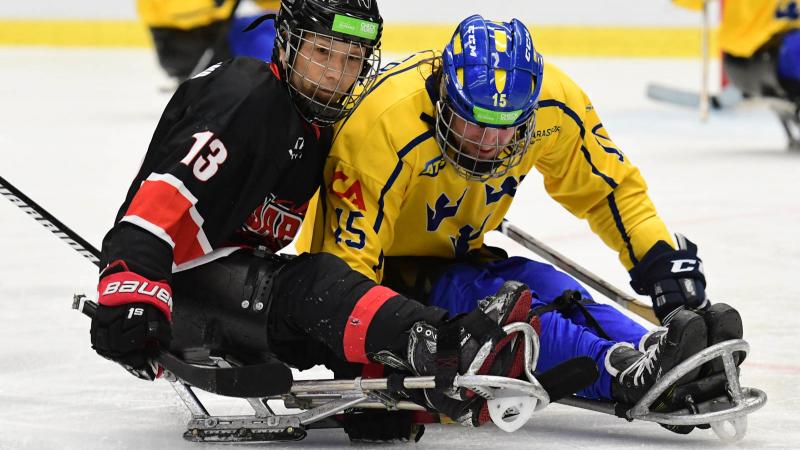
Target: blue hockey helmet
(491, 79)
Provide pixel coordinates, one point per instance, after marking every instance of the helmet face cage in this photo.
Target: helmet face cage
(331, 54)
(507, 155)
(306, 68)
(491, 80)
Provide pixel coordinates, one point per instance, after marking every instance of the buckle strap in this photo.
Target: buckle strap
(564, 303)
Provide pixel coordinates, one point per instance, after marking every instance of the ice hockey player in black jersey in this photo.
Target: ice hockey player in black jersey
(225, 183)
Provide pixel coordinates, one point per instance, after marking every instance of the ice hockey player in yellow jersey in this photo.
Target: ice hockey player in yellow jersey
(747, 25)
(760, 41)
(190, 35)
(430, 162)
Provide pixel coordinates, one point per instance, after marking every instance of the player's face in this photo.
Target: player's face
(477, 141)
(325, 68)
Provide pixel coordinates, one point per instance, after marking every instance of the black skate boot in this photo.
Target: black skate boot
(651, 338)
(635, 372)
(452, 348)
(723, 323)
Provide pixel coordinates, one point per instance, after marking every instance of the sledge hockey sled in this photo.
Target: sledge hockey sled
(511, 401)
(729, 97)
(789, 115)
(319, 400)
(509, 398)
(725, 410)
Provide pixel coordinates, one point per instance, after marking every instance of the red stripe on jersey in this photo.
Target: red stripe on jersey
(355, 332)
(162, 205)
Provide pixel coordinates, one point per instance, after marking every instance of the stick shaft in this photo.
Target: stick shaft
(705, 44)
(47, 220)
(579, 272)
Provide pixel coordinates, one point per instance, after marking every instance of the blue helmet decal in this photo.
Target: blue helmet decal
(492, 72)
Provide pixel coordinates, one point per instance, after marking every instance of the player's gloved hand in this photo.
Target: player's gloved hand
(674, 279)
(132, 321)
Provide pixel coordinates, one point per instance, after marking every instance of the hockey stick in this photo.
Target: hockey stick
(254, 380)
(705, 43)
(258, 380)
(48, 221)
(581, 273)
(728, 97)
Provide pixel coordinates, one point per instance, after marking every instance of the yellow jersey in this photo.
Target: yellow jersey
(747, 25)
(188, 14)
(388, 191)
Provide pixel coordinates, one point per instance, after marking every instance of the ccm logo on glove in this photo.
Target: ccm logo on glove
(685, 265)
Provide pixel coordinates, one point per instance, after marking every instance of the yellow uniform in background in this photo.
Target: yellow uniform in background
(749, 24)
(389, 192)
(182, 14)
(188, 14)
(190, 35)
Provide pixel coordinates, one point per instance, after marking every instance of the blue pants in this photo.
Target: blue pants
(563, 337)
(789, 57)
(256, 43)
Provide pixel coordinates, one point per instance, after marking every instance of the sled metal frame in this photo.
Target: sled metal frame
(789, 115)
(318, 400)
(721, 413)
(729, 97)
(321, 399)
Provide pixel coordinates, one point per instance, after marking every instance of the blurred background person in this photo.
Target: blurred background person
(760, 44)
(190, 35)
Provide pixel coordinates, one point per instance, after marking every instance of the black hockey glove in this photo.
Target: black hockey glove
(132, 321)
(674, 279)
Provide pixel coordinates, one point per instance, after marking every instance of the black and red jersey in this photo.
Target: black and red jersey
(230, 164)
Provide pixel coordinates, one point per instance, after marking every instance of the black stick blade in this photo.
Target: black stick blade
(568, 377)
(257, 380)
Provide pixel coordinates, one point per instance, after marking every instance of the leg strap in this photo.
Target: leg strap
(565, 302)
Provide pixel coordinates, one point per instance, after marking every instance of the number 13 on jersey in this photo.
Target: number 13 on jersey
(205, 166)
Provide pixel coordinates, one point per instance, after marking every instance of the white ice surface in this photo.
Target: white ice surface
(75, 123)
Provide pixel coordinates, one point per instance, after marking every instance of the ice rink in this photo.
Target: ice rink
(74, 125)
